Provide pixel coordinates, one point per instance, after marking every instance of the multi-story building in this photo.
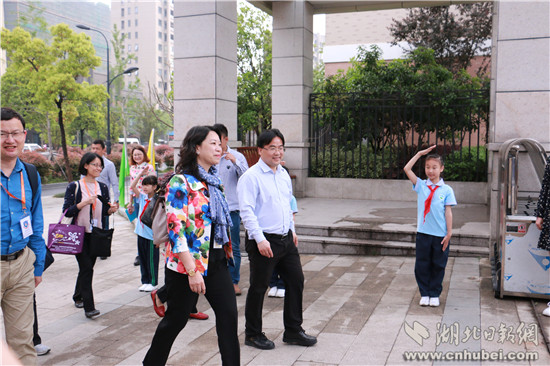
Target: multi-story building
(149, 34)
(92, 14)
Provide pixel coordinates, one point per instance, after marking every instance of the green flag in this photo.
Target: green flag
(124, 172)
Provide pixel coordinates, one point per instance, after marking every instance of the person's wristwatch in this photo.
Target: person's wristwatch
(191, 272)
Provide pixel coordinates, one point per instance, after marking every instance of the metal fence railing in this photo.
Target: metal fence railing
(362, 135)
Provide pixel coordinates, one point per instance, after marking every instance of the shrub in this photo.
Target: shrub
(115, 157)
(42, 164)
(74, 160)
(163, 149)
(467, 165)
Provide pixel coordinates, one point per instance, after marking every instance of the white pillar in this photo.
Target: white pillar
(520, 85)
(293, 82)
(205, 66)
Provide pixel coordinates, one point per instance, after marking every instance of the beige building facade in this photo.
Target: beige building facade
(148, 27)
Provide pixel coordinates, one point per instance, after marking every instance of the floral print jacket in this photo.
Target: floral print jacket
(189, 223)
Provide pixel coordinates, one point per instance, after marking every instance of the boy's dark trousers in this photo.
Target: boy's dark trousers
(148, 260)
(429, 268)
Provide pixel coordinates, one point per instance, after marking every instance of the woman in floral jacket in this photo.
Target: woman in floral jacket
(196, 259)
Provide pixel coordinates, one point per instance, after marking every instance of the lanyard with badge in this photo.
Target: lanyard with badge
(93, 221)
(25, 222)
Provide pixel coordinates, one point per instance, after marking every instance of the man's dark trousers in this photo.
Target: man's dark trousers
(287, 260)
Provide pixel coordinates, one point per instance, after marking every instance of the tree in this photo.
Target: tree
(254, 69)
(456, 36)
(51, 73)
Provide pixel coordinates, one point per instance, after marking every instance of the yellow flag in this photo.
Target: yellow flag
(151, 150)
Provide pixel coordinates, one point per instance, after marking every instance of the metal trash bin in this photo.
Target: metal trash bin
(519, 267)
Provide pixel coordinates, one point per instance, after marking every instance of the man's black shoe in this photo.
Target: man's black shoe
(103, 258)
(300, 338)
(259, 341)
(136, 261)
(79, 304)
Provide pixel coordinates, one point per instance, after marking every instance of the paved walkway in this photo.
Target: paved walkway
(364, 311)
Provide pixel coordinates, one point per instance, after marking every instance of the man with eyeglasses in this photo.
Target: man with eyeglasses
(264, 193)
(22, 247)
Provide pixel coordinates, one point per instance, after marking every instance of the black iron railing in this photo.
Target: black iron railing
(365, 135)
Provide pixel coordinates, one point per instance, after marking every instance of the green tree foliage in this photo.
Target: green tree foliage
(254, 69)
(414, 81)
(456, 34)
(50, 74)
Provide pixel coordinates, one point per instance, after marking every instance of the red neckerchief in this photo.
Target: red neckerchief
(428, 202)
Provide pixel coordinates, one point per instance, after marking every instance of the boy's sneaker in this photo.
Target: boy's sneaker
(280, 293)
(272, 292)
(424, 301)
(546, 312)
(148, 288)
(434, 301)
(142, 287)
(42, 349)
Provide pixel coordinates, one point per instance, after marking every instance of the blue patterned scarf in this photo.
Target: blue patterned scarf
(219, 210)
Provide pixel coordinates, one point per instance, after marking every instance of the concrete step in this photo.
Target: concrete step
(405, 234)
(350, 246)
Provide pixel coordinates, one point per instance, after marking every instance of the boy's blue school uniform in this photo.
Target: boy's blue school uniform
(430, 259)
(148, 253)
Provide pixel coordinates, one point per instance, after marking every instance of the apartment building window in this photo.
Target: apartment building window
(160, 85)
(160, 35)
(129, 61)
(165, 13)
(165, 74)
(160, 72)
(136, 23)
(136, 47)
(172, 25)
(129, 48)
(165, 37)
(136, 35)
(122, 24)
(121, 12)
(172, 37)
(129, 23)
(165, 25)
(160, 10)
(160, 59)
(160, 23)
(171, 12)
(129, 35)
(136, 10)
(160, 47)
(129, 10)
(136, 61)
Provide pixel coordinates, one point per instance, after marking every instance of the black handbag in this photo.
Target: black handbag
(100, 240)
(148, 214)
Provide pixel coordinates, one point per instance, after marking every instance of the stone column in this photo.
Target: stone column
(520, 87)
(205, 66)
(293, 82)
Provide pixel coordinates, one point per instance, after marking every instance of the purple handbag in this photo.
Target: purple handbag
(65, 238)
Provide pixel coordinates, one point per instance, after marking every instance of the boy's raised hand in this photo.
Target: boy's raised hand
(427, 151)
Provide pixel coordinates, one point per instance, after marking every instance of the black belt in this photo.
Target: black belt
(277, 236)
(12, 256)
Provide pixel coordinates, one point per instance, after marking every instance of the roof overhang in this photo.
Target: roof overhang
(334, 6)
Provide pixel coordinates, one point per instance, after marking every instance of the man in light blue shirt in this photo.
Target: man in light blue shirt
(23, 247)
(264, 193)
(232, 165)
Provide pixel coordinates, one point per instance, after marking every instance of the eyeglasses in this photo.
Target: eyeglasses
(273, 149)
(96, 165)
(15, 134)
